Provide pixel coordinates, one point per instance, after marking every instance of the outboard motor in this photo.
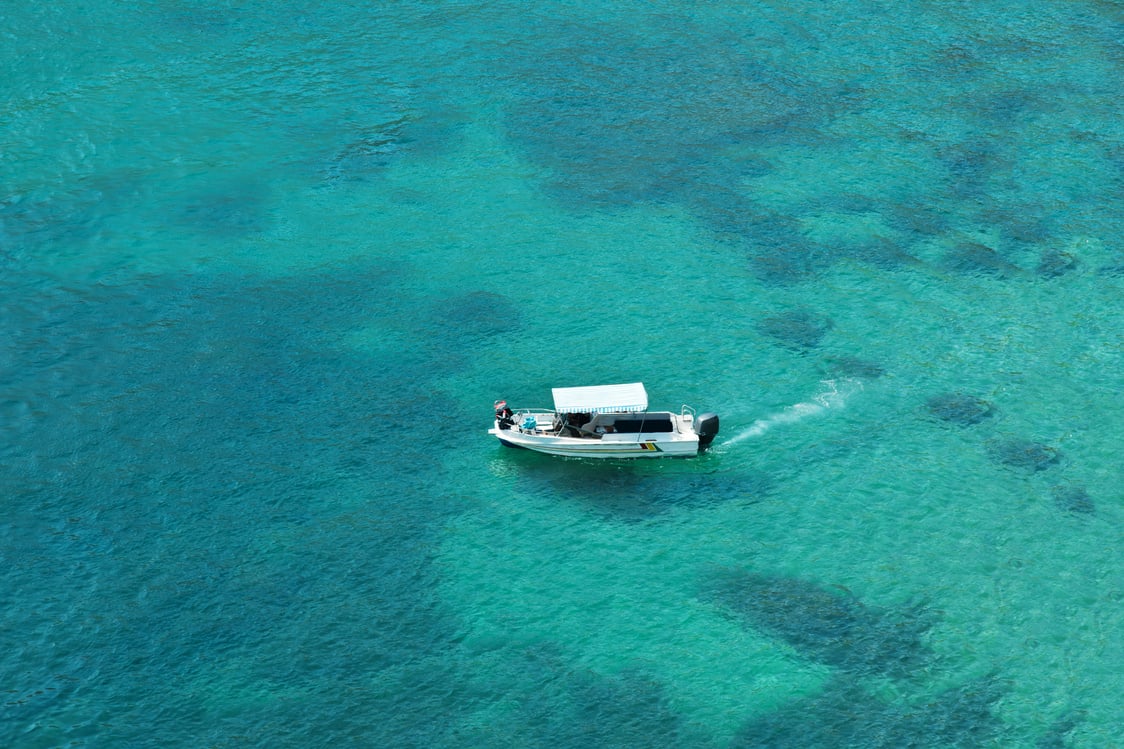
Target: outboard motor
(706, 426)
(503, 415)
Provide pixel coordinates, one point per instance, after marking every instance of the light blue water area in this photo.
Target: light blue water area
(267, 265)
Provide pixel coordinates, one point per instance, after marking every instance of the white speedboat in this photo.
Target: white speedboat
(604, 421)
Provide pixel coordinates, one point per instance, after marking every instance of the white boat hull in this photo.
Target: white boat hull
(604, 421)
(680, 443)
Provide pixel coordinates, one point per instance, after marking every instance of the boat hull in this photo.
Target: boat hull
(609, 446)
(604, 421)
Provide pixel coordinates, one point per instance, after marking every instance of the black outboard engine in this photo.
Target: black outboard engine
(504, 415)
(706, 426)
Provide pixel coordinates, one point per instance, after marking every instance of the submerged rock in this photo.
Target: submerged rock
(975, 259)
(1054, 263)
(1058, 735)
(827, 625)
(613, 116)
(366, 152)
(916, 218)
(960, 408)
(970, 164)
(238, 211)
(798, 329)
(845, 715)
(883, 253)
(1025, 454)
(1075, 499)
(781, 254)
(478, 313)
(568, 705)
(850, 366)
(787, 265)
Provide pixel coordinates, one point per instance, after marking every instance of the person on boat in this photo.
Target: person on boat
(504, 415)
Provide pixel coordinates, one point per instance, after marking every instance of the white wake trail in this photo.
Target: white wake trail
(833, 396)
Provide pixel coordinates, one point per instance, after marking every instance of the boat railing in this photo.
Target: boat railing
(686, 415)
(532, 411)
(543, 419)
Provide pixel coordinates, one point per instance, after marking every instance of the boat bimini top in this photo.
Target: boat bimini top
(596, 399)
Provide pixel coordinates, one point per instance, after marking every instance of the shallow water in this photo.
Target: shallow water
(268, 266)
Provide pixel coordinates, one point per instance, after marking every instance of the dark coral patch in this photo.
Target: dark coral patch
(970, 164)
(1058, 736)
(960, 60)
(363, 152)
(211, 402)
(850, 366)
(615, 118)
(845, 715)
(917, 217)
(370, 151)
(236, 212)
(827, 625)
(960, 408)
(800, 329)
(35, 222)
(1054, 263)
(1018, 223)
(618, 118)
(1024, 454)
(787, 263)
(1011, 106)
(478, 313)
(1074, 499)
(973, 258)
(779, 254)
(883, 253)
(566, 705)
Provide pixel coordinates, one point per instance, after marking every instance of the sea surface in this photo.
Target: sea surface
(267, 265)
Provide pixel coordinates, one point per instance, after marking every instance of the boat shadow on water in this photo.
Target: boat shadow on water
(632, 490)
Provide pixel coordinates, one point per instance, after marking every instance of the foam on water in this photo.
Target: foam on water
(833, 396)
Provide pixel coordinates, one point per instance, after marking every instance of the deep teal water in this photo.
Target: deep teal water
(267, 265)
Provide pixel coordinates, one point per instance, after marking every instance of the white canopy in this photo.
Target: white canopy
(601, 398)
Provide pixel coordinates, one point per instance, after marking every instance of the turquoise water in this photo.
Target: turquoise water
(267, 266)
